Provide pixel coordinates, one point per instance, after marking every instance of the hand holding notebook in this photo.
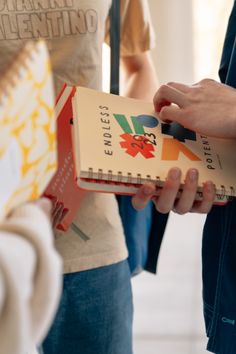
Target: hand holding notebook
(117, 144)
(120, 143)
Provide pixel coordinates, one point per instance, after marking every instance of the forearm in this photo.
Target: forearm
(139, 77)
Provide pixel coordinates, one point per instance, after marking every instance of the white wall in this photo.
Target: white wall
(173, 25)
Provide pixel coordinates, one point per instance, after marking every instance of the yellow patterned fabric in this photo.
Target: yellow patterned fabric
(27, 127)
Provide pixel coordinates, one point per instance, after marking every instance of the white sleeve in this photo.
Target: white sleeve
(30, 281)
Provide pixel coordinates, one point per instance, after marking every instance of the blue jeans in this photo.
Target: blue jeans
(95, 314)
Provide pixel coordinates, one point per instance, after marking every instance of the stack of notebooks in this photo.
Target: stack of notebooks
(116, 144)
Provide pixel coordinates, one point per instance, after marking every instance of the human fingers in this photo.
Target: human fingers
(60, 216)
(45, 205)
(186, 200)
(165, 202)
(53, 200)
(143, 196)
(179, 86)
(164, 103)
(205, 205)
(205, 82)
(170, 114)
(56, 205)
(57, 214)
(168, 94)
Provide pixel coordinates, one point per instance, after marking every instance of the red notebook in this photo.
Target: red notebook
(63, 189)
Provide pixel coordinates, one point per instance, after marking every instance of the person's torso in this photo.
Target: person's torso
(74, 31)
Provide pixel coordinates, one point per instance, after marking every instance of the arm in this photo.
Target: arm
(140, 80)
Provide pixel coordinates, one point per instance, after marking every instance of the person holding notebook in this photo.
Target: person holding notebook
(95, 313)
(209, 107)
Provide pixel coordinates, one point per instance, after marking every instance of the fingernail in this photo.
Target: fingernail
(174, 174)
(193, 174)
(65, 211)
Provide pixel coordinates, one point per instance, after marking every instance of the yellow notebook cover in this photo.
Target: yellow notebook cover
(121, 143)
(27, 127)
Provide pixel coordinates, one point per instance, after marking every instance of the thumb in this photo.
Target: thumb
(45, 205)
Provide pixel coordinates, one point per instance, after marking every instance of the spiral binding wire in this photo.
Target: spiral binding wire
(100, 173)
(129, 177)
(14, 71)
(109, 175)
(119, 173)
(140, 179)
(221, 193)
(232, 193)
(158, 182)
(90, 173)
(121, 178)
(232, 189)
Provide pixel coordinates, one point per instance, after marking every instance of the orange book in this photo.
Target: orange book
(120, 143)
(63, 189)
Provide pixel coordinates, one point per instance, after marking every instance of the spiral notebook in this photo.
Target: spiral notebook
(28, 156)
(120, 143)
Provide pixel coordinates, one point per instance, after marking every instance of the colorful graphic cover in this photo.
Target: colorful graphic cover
(28, 157)
(121, 143)
(63, 189)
